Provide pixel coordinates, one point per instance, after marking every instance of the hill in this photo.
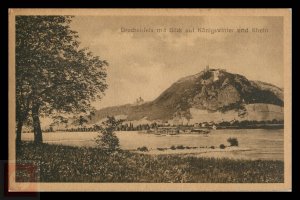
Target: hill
(212, 91)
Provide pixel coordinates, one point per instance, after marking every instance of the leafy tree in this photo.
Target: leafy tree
(53, 74)
(57, 120)
(96, 127)
(80, 121)
(107, 138)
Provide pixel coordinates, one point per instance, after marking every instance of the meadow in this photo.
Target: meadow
(58, 163)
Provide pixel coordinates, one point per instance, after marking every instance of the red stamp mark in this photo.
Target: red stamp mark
(21, 179)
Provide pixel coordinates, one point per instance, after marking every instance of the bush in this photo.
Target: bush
(173, 147)
(180, 147)
(212, 147)
(233, 141)
(142, 149)
(107, 138)
(222, 146)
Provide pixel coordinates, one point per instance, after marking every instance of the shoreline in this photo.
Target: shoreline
(228, 153)
(190, 151)
(264, 127)
(189, 133)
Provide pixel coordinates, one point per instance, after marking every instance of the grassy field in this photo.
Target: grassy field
(57, 163)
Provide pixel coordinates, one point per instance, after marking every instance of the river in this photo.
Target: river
(253, 143)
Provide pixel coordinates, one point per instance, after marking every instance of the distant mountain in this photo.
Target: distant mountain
(210, 91)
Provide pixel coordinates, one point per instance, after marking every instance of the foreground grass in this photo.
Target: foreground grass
(57, 163)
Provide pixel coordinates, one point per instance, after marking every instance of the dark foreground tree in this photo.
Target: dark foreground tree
(53, 74)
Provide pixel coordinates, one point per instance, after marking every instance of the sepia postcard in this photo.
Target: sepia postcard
(149, 100)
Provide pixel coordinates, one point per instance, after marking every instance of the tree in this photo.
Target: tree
(53, 74)
(22, 107)
(96, 127)
(80, 121)
(58, 120)
(107, 138)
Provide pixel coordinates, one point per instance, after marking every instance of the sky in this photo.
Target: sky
(147, 63)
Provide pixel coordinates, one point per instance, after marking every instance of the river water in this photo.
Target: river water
(253, 143)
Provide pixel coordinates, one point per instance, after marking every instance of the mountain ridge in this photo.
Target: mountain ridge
(213, 90)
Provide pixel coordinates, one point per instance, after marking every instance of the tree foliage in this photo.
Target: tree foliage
(107, 138)
(81, 120)
(53, 73)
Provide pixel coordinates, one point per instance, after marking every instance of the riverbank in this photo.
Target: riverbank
(191, 151)
(58, 163)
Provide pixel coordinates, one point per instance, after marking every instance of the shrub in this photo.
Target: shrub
(212, 147)
(180, 147)
(222, 146)
(107, 138)
(142, 149)
(233, 141)
(173, 147)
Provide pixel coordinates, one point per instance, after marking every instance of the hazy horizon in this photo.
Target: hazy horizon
(144, 64)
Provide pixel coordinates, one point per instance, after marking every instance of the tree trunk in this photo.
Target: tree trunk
(19, 131)
(38, 137)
